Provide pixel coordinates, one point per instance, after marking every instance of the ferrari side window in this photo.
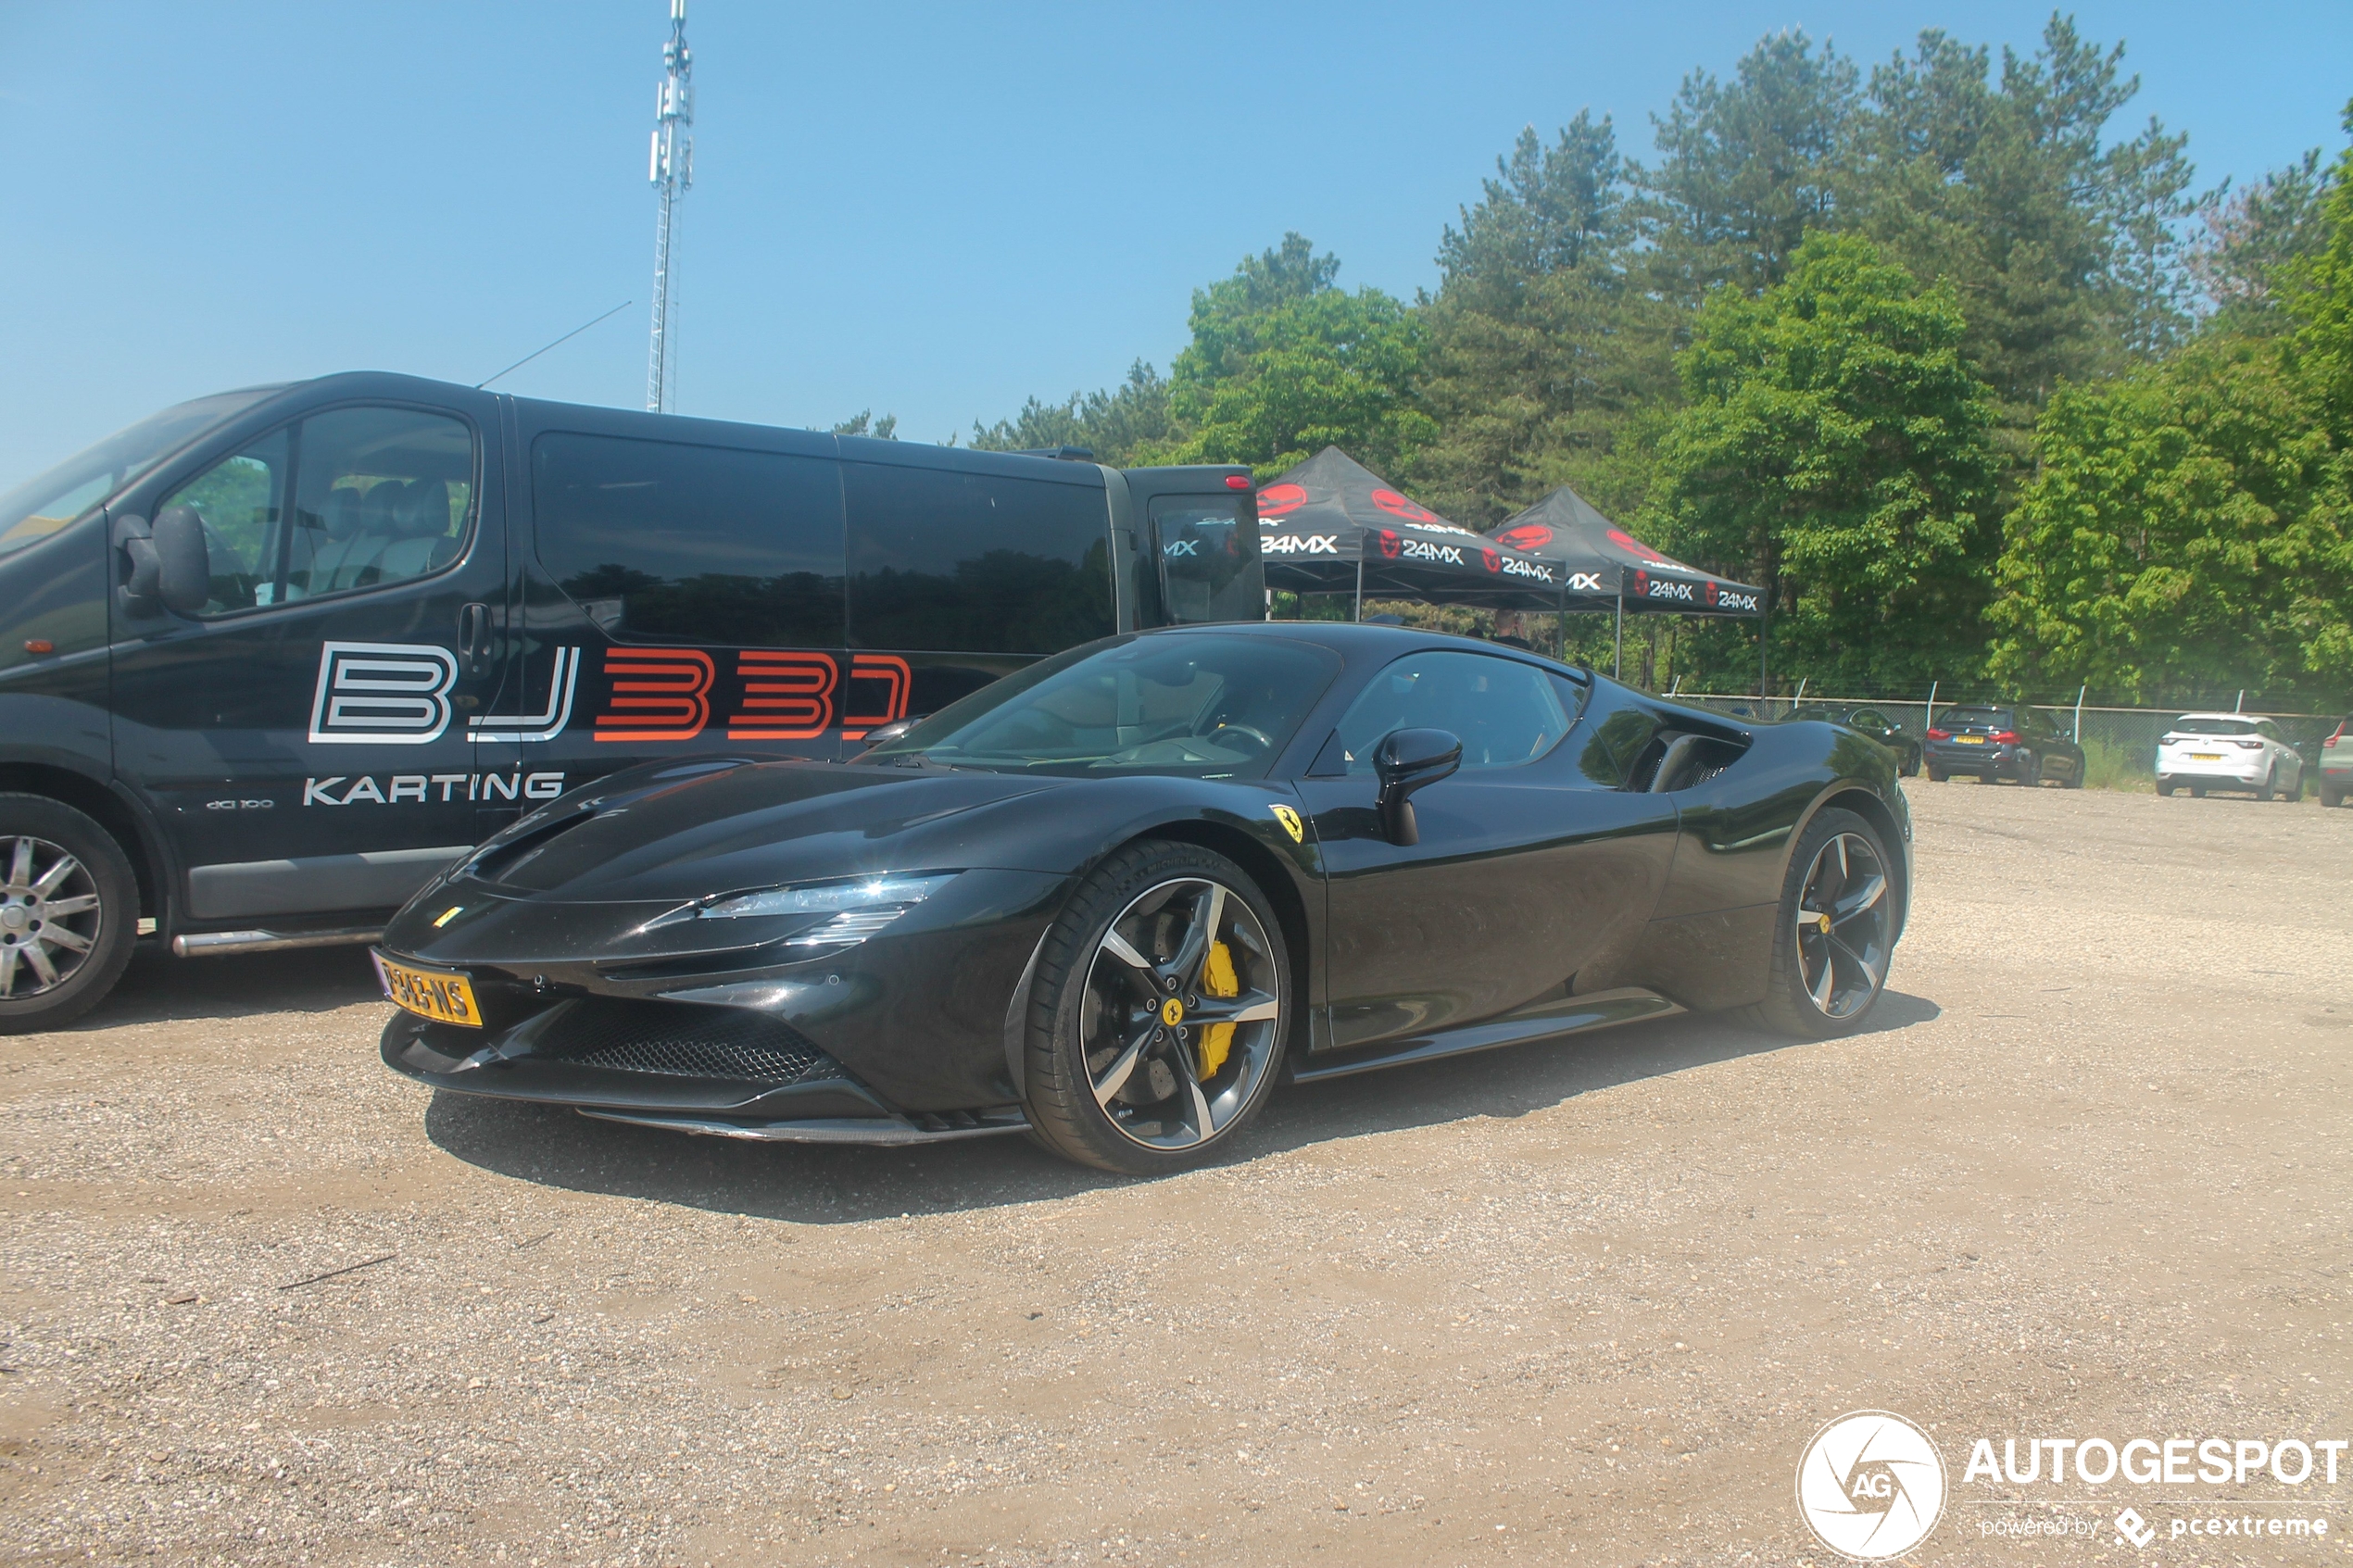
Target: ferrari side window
(1504, 712)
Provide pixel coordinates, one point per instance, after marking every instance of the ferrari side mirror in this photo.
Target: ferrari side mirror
(1405, 761)
(884, 734)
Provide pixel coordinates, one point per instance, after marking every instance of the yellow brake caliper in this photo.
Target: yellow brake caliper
(1217, 978)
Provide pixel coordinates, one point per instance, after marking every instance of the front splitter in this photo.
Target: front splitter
(868, 1130)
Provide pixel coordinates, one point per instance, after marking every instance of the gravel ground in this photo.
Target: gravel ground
(1577, 1303)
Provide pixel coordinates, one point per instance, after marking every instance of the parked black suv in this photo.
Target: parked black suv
(2016, 743)
(269, 661)
(1867, 721)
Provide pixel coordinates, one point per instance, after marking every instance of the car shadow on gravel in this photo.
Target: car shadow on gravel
(820, 1184)
(158, 989)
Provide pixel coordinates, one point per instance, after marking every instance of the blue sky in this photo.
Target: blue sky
(931, 210)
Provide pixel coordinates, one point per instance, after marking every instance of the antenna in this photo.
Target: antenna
(566, 338)
(672, 171)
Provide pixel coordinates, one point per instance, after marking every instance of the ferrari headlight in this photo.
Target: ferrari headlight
(859, 908)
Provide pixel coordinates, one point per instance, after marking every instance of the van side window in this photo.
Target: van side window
(242, 501)
(658, 540)
(975, 563)
(382, 495)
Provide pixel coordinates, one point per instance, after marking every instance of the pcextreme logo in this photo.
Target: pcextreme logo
(1870, 1485)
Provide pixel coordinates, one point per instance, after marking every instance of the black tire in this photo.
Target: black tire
(2165, 788)
(2029, 770)
(2331, 794)
(2198, 792)
(1138, 1130)
(100, 911)
(1789, 1006)
(1909, 767)
(2075, 772)
(2268, 787)
(1936, 775)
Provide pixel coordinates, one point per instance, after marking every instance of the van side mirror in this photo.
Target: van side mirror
(1405, 761)
(183, 576)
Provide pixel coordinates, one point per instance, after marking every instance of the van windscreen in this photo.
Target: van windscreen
(49, 500)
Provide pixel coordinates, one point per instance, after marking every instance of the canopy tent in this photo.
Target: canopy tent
(1330, 525)
(1601, 560)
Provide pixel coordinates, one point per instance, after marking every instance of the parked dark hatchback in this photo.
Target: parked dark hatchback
(1871, 722)
(2016, 743)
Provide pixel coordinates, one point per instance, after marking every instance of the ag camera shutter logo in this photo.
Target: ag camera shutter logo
(1871, 1485)
(382, 694)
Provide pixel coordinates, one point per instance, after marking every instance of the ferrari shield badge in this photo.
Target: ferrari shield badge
(1292, 824)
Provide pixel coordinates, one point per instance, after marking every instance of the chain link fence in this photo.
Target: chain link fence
(2119, 743)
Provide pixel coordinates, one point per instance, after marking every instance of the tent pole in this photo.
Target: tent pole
(1360, 587)
(1560, 647)
(1617, 659)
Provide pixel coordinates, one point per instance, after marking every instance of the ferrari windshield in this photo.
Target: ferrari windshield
(1197, 704)
(48, 501)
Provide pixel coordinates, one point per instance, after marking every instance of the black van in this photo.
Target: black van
(271, 659)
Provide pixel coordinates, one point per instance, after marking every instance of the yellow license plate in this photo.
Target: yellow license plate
(1970, 740)
(445, 998)
(2206, 757)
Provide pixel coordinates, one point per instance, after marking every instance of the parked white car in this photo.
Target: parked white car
(2205, 751)
(2336, 764)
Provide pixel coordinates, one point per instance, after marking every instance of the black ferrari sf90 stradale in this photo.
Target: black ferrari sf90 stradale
(1115, 898)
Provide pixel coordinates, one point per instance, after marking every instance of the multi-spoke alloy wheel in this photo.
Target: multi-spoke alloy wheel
(1159, 1027)
(1842, 927)
(67, 901)
(48, 916)
(1841, 910)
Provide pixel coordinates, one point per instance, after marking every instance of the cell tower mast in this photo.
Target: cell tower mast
(671, 170)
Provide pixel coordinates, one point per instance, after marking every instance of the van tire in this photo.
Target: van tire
(46, 821)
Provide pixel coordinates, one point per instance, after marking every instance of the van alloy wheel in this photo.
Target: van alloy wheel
(1183, 1013)
(50, 913)
(1843, 926)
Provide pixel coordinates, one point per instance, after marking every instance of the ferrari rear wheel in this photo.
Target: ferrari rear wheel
(1835, 931)
(1157, 1016)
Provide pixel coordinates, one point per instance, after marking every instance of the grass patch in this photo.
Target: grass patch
(2109, 766)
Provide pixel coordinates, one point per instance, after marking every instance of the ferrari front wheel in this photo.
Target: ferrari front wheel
(1157, 1015)
(1834, 931)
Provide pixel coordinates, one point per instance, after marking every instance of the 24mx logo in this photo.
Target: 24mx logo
(1301, 544)
(1422, 549)
(1181, 548)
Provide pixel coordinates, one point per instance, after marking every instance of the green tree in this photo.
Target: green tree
(2252, 241)
(2319, 291)
(1747, 167)
(1117, 424)
(1283, 362)
(2184, 532)
(1834, 447)
(864, 423)
(1540, 354)
(2062, 246)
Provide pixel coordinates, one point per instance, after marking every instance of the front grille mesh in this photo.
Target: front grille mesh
(684, 1040)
